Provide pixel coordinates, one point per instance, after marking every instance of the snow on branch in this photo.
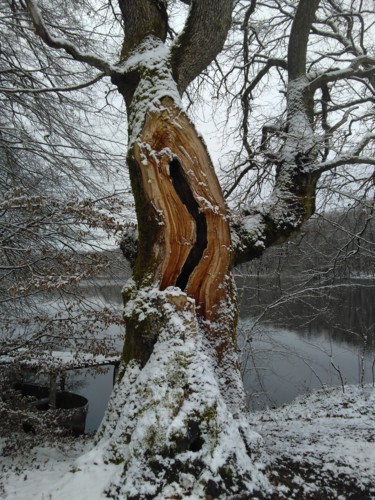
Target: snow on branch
(345, 160)
(60, 43)
(352, 158)
(362, 67)
(361, 146)
(52, 361)
(274, 220)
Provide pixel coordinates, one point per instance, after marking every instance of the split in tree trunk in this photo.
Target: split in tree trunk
(184, 238)
(176, 424)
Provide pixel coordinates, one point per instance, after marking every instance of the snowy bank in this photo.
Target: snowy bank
(321, 446)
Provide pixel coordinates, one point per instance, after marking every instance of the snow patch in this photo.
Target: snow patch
(151, 60)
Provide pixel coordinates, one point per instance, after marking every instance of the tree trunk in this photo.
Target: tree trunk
(176, 423)
(184, 237)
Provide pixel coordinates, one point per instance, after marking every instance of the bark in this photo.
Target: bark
(201, 40)
(183, 199)
(299, 35)
(142, 18)
(183, 225)
(176, 425)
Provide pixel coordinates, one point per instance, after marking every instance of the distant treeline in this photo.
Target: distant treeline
(340, 244)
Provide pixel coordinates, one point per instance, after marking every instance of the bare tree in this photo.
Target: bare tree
(255, 74)
(53, 209)
(179, 402)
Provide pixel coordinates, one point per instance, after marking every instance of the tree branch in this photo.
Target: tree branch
(292, 201)
(60, 43)
(345, 160)
(281, 216)
(353, 158)
(53, 89)
(201, 40)
(271, 63)
(353, 70)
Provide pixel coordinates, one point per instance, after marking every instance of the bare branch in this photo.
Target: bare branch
(345, 160)
(271, 63)
(351, 71)
(60, 43)
(53, 89)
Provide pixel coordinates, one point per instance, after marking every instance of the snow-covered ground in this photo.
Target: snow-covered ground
(322, 446)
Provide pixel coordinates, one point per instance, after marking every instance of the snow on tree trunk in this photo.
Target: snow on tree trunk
(184, 237)
(168, 424)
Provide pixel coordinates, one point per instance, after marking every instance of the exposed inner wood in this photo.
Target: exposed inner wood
(192, 249)
(184, 192)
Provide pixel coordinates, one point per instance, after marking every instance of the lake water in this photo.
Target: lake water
(292, 341)
(296, 338)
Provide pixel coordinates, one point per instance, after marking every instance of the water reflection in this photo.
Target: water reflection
(339, 311)
(105, 291)
(294, 339)
(96, 386)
